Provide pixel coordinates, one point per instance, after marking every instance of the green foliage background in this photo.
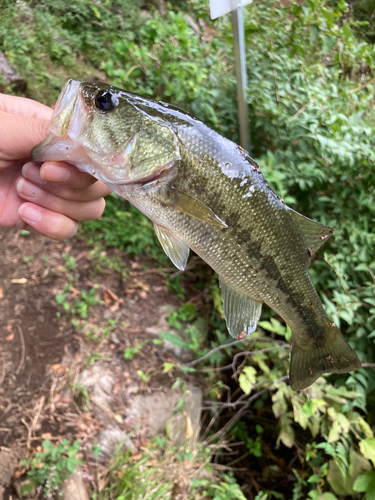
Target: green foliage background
(311, 100)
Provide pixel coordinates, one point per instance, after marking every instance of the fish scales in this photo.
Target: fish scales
(205, 193)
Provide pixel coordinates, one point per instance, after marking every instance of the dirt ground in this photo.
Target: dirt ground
(42, 350)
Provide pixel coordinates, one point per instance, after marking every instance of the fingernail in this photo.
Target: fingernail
(29, 214)
(55, 173)
(32, 172)
(28, 190)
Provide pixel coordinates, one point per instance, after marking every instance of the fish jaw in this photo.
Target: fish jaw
(66, 111)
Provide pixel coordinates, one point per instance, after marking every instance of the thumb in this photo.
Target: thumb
(19, 134)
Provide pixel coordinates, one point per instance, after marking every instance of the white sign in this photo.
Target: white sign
(220, 7)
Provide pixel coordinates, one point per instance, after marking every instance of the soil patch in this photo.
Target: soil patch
(63, 307)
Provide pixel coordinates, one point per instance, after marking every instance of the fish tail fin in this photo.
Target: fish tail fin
(331, 354)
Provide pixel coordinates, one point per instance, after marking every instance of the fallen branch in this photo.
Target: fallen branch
(23, 349)
(361, 86)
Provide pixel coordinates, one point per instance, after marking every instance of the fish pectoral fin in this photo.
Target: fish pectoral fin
(332, 355)
(315, 234)
(176, 249)
(193, 207)
(241, 313)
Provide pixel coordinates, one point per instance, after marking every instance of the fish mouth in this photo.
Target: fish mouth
(62, 115)
(67, 123)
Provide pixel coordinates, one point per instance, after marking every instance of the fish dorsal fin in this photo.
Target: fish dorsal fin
(315, 234)
(193, 207)
(176, 249)
(241, 313)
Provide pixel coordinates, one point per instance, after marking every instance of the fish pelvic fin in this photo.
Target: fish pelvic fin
(241, 312)
(176, 249)
(333, 355)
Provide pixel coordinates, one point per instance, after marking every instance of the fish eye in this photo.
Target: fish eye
(104, 100)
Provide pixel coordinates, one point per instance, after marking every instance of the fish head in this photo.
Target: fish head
(113, 135)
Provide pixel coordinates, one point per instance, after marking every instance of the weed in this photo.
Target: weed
(161, 469)
(81, 306)
(70, 262)
(51, 466)
(81, 396)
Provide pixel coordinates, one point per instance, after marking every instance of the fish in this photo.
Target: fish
(205, 193)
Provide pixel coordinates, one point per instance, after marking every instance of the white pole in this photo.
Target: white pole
(240, 60)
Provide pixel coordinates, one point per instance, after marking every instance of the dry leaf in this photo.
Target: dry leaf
(189, 428)
(1, 293)
(59, 369)
(46, 435)
(20, 281)
(10, 337)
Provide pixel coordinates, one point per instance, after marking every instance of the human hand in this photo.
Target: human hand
(57, 194)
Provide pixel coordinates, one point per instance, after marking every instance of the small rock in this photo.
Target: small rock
(8, 461)
(110, 438)
(99, 382)
(74, 488)
(185, 426)
(159, 408)
(10, 76)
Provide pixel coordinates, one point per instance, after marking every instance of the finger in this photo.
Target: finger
(60, 171)
(78, 210)
(46, 222)
(18, 136)
(31, 171)
(22, 106)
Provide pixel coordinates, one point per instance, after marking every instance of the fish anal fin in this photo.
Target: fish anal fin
(193, 207)
(315, 234)
(176, 249)
(241, 313)
(309, 362)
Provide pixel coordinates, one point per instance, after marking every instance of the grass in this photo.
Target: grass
(164, 471)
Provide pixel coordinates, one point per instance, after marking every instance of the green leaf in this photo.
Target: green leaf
(366, 484)
(174, 339)
(329, 15)
(328, 43)
(314, 479)
(247, 379)
(367, 447)
(347, 32)
(71, 465)
(143, 376)
(314, 34)
(188, 369)
(167, 367)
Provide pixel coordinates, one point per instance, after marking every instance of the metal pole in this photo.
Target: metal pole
(240, 59)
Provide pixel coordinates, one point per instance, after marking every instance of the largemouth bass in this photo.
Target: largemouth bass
(204, 192)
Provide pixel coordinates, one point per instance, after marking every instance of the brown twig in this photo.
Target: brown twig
(3, 372)
(301, 110)
(245, 408)
(252, 353)
(31, 429)
(23, 349)
(361, 86)
(231, 344)
(368, 365)
(215, 349)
